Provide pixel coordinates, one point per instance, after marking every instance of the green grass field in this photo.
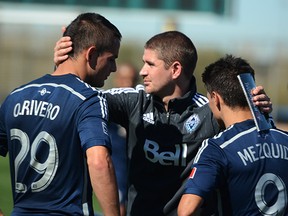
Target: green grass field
(6, 203)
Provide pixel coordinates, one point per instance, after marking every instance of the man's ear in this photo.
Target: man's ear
(92, 56)
(176, 69)
(216, 99)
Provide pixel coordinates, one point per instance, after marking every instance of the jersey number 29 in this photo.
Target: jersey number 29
(47, 169)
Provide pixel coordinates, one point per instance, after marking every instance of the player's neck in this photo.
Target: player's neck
(67, 67)
(236, 115)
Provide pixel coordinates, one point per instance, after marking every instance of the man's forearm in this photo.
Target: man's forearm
(104, 184)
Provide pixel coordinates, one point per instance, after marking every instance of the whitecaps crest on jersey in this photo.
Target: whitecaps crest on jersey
(191, 123)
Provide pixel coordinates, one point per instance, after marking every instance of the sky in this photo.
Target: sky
(257, 23)
(260, 25)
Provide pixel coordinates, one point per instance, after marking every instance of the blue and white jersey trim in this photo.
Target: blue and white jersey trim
(104, 108)
(278, 131)
(85, 209)
(228, 142)
(86, 84)
(223, 145)
(201, 149)
(101, 96)
(82, 97)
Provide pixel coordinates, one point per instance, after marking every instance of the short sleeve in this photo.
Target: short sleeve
(92, 123)
(207, 170)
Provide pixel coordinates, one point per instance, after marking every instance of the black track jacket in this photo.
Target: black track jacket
(161, 144)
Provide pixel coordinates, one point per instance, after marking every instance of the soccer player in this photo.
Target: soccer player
(55, 129)
(247, 168)
(166, 121)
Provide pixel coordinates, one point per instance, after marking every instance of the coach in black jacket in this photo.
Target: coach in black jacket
(166, 121)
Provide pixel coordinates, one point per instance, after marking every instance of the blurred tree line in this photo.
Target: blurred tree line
(26, 52)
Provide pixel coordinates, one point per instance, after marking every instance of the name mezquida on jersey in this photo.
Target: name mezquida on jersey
(263, 150)
(36, 108)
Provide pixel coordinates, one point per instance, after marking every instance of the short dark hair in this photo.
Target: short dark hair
(92, 29)
(174, 46)
(221, 77)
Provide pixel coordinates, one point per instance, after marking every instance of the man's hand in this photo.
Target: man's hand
(261, 100)
(62, 47)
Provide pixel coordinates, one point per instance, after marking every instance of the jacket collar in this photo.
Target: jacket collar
(180, 103)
